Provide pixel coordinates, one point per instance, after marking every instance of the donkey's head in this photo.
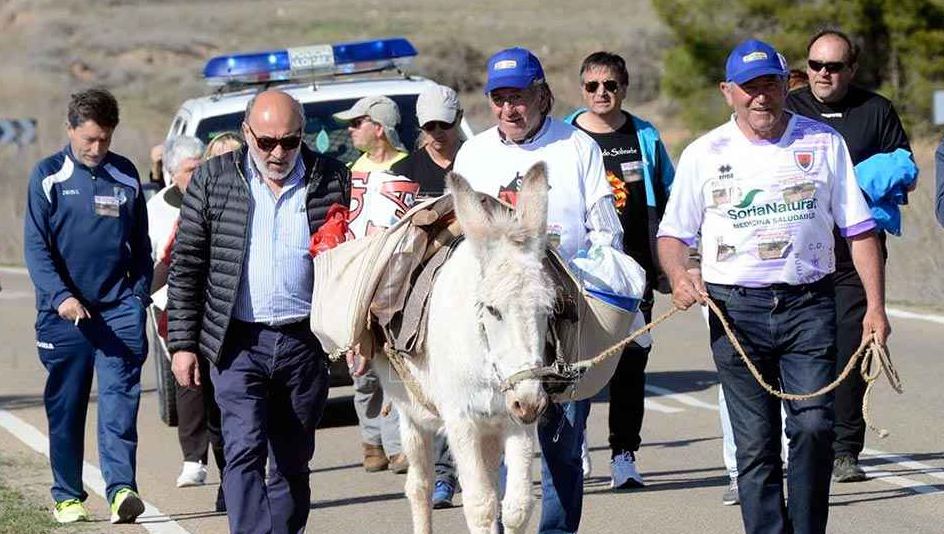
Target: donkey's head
(513, 294)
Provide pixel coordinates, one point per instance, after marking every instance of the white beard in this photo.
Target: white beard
(264, 171)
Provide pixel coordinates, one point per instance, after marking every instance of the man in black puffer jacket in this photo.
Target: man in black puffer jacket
(240, 295)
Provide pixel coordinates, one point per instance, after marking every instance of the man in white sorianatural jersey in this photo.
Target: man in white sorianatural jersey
(764, 190)
(581, 212)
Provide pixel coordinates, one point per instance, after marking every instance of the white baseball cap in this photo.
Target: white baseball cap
(437, 103)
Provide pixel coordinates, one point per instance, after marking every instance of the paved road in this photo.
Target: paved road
(680, 456)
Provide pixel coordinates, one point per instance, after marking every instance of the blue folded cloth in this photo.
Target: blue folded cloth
(885, 179)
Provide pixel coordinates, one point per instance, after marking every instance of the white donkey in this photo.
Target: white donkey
(487, 320)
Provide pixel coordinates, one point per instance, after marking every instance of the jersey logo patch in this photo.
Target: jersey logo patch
(803, 159)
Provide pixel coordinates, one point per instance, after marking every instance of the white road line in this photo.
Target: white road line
(913, 485)
(658, 407)
(14, 270)
(906, 462)
(682, 398)
(905, 314)
(153, 520)
(15, 295)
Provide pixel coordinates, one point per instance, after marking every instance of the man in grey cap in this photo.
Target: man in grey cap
(373, 122)
(438, 114)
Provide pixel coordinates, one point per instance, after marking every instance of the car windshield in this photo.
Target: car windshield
(323, 133)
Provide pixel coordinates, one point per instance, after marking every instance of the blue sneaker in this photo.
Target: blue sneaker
(442, 494)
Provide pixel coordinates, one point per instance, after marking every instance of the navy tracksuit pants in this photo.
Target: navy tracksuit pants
(112, 344)
(271, 385)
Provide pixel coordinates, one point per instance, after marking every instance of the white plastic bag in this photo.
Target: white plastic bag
(616, 278)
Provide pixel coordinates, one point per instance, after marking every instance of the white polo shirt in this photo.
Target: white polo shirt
(574, 171)
(766, 211)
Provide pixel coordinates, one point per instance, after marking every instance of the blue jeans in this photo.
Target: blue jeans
(561, 434)
(271, 386)
(111, 344)
(789, 334)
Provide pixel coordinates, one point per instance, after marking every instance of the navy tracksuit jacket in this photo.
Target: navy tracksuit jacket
(85, 236)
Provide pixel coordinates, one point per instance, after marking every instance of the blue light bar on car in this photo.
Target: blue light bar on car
(306, 61)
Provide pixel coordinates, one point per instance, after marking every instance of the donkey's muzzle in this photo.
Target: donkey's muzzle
(526, 410)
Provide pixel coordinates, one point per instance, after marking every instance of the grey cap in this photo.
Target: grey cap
(379, 109)
(437, 103)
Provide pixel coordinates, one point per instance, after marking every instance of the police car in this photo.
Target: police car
(326, 79)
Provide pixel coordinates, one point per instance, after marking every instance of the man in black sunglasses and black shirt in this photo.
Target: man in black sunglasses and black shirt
(870, 126)
(640, 173)
(438, 114)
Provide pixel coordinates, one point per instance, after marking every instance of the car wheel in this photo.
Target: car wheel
(166, 383)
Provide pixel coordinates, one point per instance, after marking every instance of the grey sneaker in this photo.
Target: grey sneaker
(846, 469)
(730, 497)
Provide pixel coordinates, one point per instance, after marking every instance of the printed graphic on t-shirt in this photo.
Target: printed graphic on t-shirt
(378, 200)
(509, 193)
(619, 190)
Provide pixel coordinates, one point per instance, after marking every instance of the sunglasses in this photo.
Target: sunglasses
(432, 125)
(831, 67)
(356, 123)
(268, 144)
(609, 85)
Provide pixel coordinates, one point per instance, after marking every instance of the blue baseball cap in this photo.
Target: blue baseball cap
(513, 67)
(753, 58)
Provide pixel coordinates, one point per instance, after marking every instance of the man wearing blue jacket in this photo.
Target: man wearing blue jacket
(640, 173)
(87, 250)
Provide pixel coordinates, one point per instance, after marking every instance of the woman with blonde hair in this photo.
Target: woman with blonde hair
(222, 143)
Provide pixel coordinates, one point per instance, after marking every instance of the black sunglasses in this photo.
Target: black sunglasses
(831, 67)
(268, 144)
(609, 85)
(432, 125)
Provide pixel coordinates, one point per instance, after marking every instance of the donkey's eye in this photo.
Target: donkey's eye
(494, 312)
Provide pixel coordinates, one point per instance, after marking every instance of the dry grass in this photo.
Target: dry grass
(151, 53)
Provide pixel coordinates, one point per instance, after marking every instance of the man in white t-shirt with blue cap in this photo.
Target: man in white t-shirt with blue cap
(764, 191)
(580, 213)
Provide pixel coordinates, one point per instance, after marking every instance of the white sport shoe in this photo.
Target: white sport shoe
(625, 475)
(585, 460)
(192, 474)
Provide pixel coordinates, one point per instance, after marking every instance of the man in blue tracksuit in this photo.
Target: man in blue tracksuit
(87, 250)
(640, 173)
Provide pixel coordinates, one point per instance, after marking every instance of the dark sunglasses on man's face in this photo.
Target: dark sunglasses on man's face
(831, 67)
(609, 85)
(268, 144)
(432, 125)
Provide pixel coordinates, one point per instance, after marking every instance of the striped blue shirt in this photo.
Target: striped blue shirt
(276, 282)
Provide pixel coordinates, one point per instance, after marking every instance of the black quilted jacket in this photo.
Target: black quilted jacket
(211, 243)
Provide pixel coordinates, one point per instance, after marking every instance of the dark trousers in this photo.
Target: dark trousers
(271, 386)
(198, 416)
(112, 345)
(789, 334)
(445, 463)
(850, 310)
(628, 392)
(561, 435)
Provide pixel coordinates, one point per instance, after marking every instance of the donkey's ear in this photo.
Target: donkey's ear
(532, 201)
(472, 215)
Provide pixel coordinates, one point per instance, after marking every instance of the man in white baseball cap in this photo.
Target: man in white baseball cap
(373, 122)
(439, 115)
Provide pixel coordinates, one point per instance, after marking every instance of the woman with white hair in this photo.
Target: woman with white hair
(198, 416)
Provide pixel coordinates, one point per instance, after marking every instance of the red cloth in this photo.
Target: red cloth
(164, 256)
(332, 233)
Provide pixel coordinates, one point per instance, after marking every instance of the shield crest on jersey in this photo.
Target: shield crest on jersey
(803, 159)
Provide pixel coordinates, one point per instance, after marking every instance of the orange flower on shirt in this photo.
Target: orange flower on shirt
(619, 190)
